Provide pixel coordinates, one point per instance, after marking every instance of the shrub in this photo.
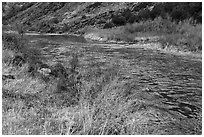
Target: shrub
(133, 18)
(188, 37)
(18, 60)
(23, 53)
(54, 20)
(184, 35)
(118, 20)
(178, 14)
(58, 70)
(83, 17)
(13, 42)
(101, 21)
(178, 11)
(74, 63)
(144, 14)
(7, 56)
(66, 27)
(192, 35)
(108, 25)
(156, 11)
(158, 25)
(127, 14)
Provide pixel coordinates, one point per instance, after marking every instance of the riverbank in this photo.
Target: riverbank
(182, 37)
(43, 34)
(149, 42)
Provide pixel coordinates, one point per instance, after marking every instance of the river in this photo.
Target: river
(175, 80)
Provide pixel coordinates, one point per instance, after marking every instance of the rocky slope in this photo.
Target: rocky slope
(51, 17)
(79, 16)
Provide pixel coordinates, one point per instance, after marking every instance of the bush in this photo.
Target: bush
(193, 35)
(133, 18)
(127, 14)
(66, 27)
(178, 14)
(183, 35)
(187, 37)
(108, 25)
(118, 20)
(13, 42)
(46, 26)
(54, 20)
(144, 14)
(156, 11)
(158, 25)
(22, 53)
(101, 21)
(7, 56)
(18, 60)
(178, 11)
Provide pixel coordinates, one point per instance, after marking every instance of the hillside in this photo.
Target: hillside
(73, 16)
(50, 17)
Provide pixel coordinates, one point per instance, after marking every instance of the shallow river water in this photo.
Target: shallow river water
(176, 79)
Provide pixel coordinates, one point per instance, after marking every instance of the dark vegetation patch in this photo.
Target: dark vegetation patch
(179, 11)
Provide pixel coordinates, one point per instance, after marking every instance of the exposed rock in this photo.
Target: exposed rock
(95, 37)
(45, 71)
(38, 67)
